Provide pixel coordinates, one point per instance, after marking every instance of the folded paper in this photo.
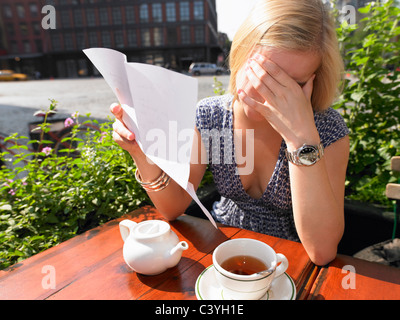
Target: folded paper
(159, 108)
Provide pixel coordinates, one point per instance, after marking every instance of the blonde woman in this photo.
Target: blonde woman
(285, 72)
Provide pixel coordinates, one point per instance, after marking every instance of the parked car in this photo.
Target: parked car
(199, 68)
(10, 75)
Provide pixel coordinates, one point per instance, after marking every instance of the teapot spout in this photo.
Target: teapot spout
(181, 246)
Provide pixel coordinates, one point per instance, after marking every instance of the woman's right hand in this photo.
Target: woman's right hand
(122, 135)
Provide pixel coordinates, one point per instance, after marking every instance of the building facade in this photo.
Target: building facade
(169, 33)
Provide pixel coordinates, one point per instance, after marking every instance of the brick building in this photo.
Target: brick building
(170, 33)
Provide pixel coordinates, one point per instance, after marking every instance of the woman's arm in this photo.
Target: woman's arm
(318, 202)
(317, 190)
(173, 200)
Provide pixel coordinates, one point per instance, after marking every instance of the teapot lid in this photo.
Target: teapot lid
(150, 229)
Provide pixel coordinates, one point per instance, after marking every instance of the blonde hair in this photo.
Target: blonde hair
(296, 25)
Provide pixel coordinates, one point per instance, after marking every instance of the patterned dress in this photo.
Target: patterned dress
(272, 213)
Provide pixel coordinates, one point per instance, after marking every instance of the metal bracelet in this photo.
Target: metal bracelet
(157, 185)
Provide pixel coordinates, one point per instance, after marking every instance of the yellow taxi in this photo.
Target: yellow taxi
(10, 75)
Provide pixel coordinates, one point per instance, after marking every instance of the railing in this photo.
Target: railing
(393, 191)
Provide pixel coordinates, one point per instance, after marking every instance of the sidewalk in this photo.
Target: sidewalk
(19, 100)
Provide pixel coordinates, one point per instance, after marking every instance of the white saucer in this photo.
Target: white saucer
(207, 288)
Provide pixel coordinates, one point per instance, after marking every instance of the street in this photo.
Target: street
(20, 100)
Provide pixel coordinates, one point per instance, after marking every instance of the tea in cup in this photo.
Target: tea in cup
(245, 268)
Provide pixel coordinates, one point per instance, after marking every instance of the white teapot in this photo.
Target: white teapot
(150, 247)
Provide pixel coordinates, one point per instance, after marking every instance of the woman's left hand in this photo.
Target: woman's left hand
(281, 101)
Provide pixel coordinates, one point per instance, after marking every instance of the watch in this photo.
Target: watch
(306, 155)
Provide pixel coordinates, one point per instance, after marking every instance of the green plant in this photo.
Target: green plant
(219, 90)
(371, 99)
(53, 195)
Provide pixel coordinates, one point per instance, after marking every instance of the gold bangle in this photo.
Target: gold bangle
(157, 185)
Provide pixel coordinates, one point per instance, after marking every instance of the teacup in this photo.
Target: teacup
(252, 283)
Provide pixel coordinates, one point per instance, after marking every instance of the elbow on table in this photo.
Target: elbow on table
(322, 257)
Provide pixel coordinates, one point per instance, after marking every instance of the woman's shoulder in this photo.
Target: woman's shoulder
(216, 102)
(213, 110)
(330, 125)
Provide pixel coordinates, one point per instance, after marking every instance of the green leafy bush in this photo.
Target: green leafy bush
(371, 99)
(62, 191)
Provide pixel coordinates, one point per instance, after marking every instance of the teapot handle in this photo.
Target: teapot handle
(125, 227)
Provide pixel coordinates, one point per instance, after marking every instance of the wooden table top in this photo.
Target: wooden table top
(91, 265)
(348, 278)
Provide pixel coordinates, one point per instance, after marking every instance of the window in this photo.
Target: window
(38, 45)
(171, 12)
(144, 13)
(106, 39)
(132, 38)
(78, 18)
(68, 42)
(55, 42)
(198, 10)
(90, 17)
(185, 35)
(80, 40)
(119, 39)
(20, 11)
(33, 9)
(7, 11)
(23, 28)
(145, 34)
(10, 29)
(199, 34)
(14, 47)
(27, 46)
(93, 39)
(117, 17)
(172, 38)
(103, 13)
(158, 37)
(130, 14)
(184, 11)
(36, 28)
(157, 12)
(65, 20)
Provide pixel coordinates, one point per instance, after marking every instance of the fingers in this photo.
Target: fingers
(121, 134)
(308, 87)
(257, 106)
(272, 82)
(116, 110)
(120, 128)
(274, 70)
(264, 84)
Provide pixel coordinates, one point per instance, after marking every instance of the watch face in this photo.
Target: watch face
(308, 155)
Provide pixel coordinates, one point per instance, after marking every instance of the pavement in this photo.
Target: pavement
(20, 100)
